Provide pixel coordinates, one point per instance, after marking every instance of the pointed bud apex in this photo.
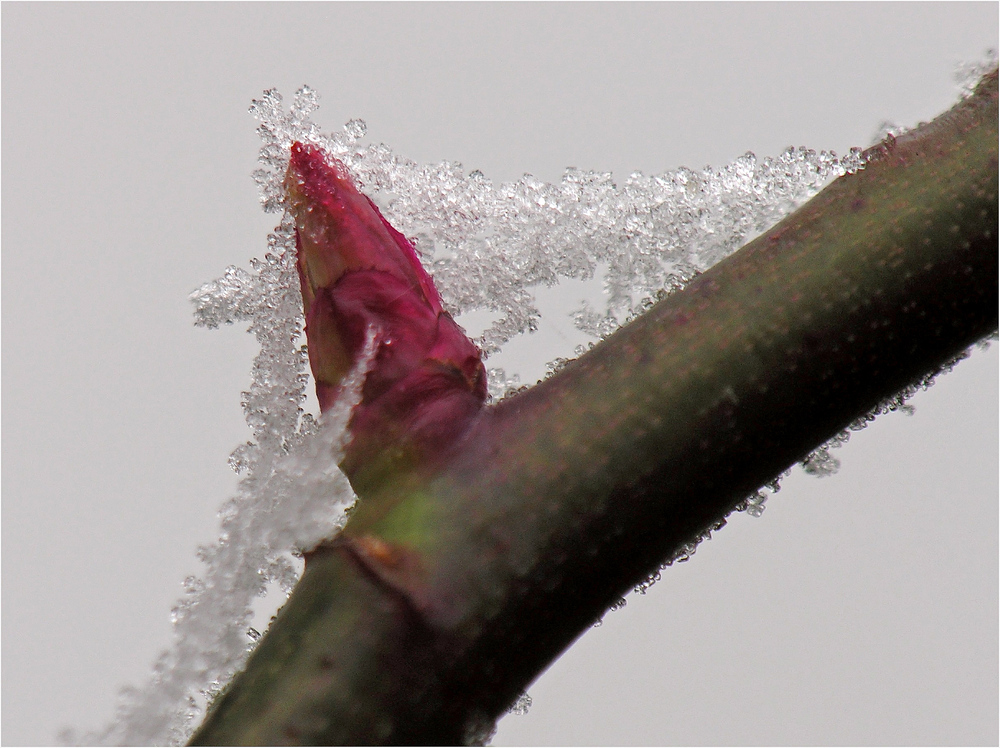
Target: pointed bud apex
(427, 381)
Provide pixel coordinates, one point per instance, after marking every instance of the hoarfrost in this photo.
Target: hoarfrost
(967, 74)
(754, 503)
(488, 247)
(500, 385)
(682, 554)
(290, 501)
(521, 705)
(292, 495)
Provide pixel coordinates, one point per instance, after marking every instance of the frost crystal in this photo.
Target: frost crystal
(292, 495)
(967, 74)
(488, 248)
(500, 385)
(521, 705)
(290, 500)
(682, 554)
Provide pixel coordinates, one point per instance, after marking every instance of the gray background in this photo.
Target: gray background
(859, 609)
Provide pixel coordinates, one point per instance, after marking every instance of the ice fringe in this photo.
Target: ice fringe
(488, 246)
(289, 501)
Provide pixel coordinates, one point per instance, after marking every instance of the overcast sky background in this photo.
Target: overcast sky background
(860, 609)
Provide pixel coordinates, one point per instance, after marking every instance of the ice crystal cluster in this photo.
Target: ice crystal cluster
(967, 74)
(488, 247)
(292, 496)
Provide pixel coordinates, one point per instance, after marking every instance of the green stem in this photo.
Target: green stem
(448, 593)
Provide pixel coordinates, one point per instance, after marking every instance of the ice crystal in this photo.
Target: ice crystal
(521, 705)
(292, 494)
(887, 131)
(293, 497)
(500, 385)
(754, 503)
(620, 603)
(490, 246)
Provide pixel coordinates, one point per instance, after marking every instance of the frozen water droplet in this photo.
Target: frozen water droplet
(648, 582)
(821, 463)
(754, 505)
(556, 365)
(253, 633)
(242, 457)
(886, 132)
(500, 385)
(521, 705)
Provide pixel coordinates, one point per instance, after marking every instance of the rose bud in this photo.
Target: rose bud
(426, 382)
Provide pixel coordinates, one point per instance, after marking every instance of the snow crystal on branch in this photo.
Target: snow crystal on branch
(968, 74)
(289, 501)
(292, 496)
(488, 246)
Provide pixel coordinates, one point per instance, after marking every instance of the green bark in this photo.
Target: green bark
(451, 589)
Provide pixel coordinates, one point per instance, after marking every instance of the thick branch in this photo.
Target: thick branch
(448, 593)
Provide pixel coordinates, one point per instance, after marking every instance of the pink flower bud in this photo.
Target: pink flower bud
(427, 381)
